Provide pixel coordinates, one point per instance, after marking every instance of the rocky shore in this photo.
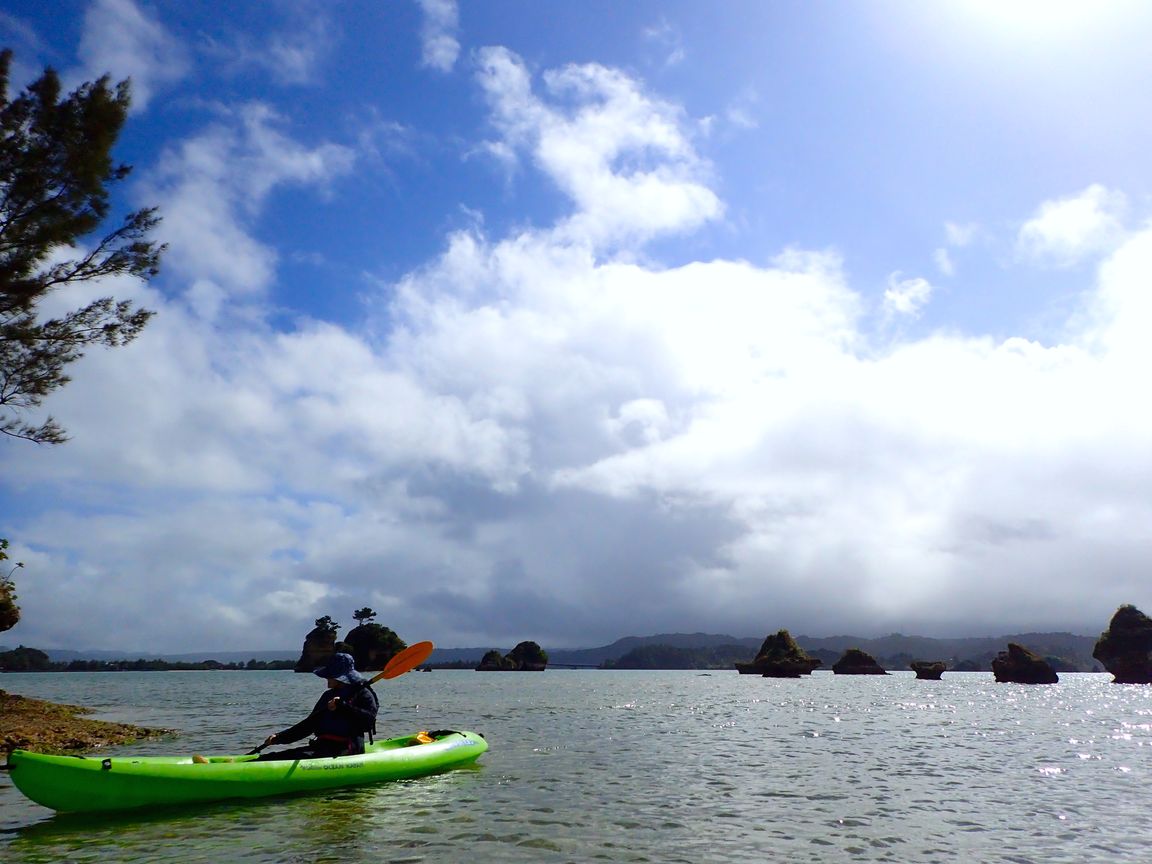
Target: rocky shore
(46, 727)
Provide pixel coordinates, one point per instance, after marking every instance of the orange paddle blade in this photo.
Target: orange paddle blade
(406, 660)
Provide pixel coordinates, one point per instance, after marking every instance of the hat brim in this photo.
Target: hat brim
(351, 677)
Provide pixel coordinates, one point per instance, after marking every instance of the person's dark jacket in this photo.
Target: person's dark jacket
(352, 719)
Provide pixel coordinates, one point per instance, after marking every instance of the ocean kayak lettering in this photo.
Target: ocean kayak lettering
(329, 766)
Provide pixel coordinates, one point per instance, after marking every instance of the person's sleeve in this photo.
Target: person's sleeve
(302, 729)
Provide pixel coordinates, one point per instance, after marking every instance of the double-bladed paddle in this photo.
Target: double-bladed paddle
(404, 661)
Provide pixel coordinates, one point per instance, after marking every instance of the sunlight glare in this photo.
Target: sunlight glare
(1045, 19)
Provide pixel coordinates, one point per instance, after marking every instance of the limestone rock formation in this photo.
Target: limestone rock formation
(319, 645)
(928, 670)
(373, 645)
(857, 662)
(780, 657)
(1018, 665)
(1125, 648)
(493, 661)
(525, 657)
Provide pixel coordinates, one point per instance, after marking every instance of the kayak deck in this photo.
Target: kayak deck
(89, 783)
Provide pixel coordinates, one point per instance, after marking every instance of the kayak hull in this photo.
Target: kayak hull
(74, 784)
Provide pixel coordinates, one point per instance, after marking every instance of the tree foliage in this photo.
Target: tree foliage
(373, 645)
(24, 660)
(528, 654)
(56, 168)
(9, 611)
(493, 660)
(365, 614)
(326, 624)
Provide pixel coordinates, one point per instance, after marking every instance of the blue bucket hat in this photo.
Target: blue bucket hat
(340, 668)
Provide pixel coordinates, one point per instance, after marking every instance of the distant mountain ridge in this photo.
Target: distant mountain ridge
(596, 656)
(893, 651)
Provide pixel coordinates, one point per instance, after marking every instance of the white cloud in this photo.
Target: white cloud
(748, 392)
(290, 51)
(944, 263)
(1065, 231)
(741, 112)
(1119, 311)
(668, 40)
(214, 183)
(622, 156)
(961, 235)
(640, 421)
(441, 47)
(956, 236)
(739, 115)
(20, 36)
(906, 296)
(121, 40)
(292, 57)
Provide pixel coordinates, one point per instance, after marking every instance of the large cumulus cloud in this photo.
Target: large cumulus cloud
(551, 435)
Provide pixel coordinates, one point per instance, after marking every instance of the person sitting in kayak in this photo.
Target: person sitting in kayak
(343, 714)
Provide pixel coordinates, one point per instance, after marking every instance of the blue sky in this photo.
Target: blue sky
(569, 321)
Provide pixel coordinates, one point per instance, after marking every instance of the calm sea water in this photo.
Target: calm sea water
(659, 767)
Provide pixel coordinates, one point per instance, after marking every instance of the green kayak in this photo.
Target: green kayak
(88, 783)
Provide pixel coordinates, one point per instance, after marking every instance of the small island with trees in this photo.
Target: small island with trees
(371, 645)
(525, 657)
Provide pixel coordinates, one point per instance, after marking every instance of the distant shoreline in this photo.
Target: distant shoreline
(22, 660)
(1069, 652)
